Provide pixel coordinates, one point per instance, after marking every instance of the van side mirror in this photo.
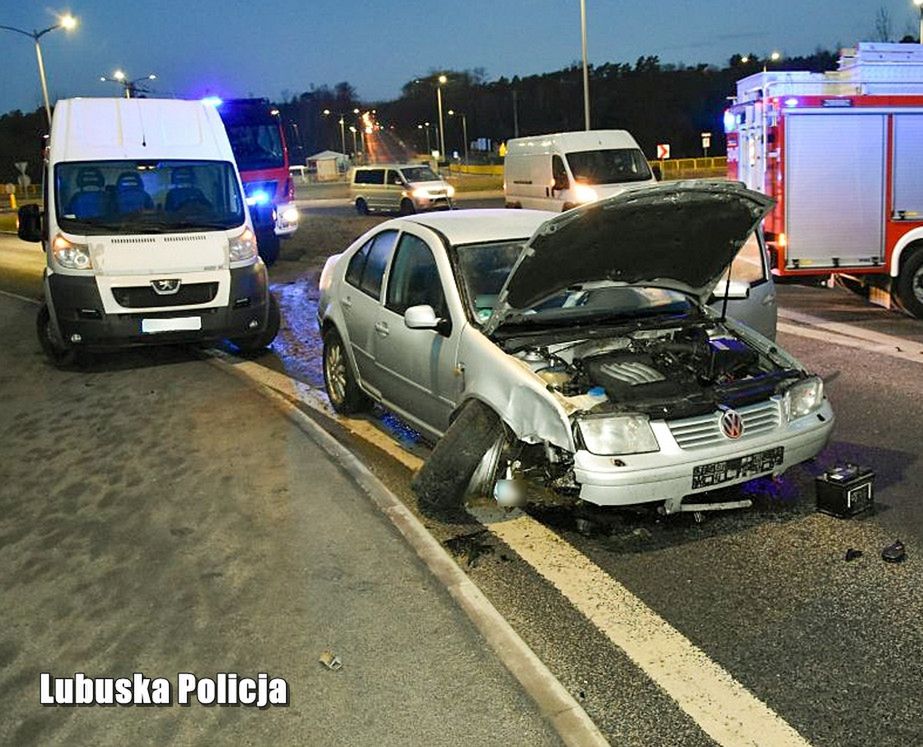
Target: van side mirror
(29, 223)
(561, 182)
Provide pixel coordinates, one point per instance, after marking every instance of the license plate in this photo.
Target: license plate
(173, 324)
(706, 475)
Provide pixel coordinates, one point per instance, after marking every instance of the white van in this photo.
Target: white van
(562, 170)
(146, 231)
(398, 188)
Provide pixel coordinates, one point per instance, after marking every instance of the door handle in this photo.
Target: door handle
(346, 303)
(382, 329)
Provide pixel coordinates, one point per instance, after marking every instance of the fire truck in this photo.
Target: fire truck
(259, 147)
(842, 154)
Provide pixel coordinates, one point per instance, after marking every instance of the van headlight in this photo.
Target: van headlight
(617, 434)
(804, 397)
(450, 190)
(583, 193)
(242, 247)
(70, 255)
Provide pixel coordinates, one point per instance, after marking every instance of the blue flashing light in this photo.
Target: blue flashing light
(259, 197)
(215, 101)
(791, 102)
(730, 121)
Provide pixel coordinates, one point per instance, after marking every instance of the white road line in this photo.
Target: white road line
(898, 344)
(720, 705)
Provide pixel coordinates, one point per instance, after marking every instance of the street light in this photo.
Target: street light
(464, 120)
(919, 4)
(442, 81)
(66, 22)
(130, 86)
(429, 149)
(773, 57)
(586, 74)
(353, 130)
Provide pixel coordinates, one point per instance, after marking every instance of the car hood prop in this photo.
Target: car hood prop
(681, 236)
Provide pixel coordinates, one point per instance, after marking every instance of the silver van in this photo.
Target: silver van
(398, 188)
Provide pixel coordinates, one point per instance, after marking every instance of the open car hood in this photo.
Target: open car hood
(680, 236)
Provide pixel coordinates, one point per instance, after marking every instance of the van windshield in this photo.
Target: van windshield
(419, 174)
(611, 166)
(96, 197)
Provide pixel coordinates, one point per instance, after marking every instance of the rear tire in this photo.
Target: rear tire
(910, 283)
(446, 478)
(343, 390)
(60, 354)
(362, 207)
(258, 343)
(407, 207)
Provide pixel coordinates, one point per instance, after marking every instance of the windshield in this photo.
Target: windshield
(610, 166)
(485, 268)
(96, 197)
(419, 174)
(256, 146)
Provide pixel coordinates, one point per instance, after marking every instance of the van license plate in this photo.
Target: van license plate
(173, 324)
(706, 475)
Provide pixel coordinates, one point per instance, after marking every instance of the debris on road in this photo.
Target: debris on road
(845, 490)
(852, 553)
(894, 553)
(330, 660)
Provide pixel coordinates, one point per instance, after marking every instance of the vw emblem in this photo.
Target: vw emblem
(732, 425)
(165, 287)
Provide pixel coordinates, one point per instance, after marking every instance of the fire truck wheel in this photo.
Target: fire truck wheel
(910, 282)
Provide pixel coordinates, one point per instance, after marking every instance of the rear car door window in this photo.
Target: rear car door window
(414, 278)
(376, 262)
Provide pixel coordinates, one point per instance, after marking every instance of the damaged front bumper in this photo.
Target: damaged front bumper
(666, 476)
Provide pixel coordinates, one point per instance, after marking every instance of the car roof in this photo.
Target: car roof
(391, 166)
(480, 225)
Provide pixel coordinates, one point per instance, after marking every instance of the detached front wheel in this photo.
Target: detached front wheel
(57, 351)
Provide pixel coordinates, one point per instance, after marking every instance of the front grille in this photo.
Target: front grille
(705, 430)
(143, 296)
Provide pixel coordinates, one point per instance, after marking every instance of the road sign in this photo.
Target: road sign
(706, 140)
(663, 151)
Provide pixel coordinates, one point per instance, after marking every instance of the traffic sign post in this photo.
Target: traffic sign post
(706, 142)
(663, 151)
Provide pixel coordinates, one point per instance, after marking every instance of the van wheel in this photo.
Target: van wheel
(407, 207)
(464, 461)
(60, 354)
(268, 246)
(910, 283)
(362, 207)
(258, 343)
(339, 379)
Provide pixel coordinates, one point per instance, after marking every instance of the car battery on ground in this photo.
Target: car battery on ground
(845, 491)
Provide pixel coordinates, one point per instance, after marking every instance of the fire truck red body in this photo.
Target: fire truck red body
(842, 155)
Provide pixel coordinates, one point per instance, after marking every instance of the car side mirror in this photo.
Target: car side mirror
(421, 317)
(737, 290)
(29, 223)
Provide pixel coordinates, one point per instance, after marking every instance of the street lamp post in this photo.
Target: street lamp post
(442, 81)
(429, 150)
(342, 121)
(919, 4)
(66, 22)
(464, 120)
(775, 57)
(130, 86)
(353, 130)
(586, 74)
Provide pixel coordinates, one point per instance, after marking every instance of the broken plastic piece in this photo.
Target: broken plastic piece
(852, 553)
(894, 553)
(330, 660)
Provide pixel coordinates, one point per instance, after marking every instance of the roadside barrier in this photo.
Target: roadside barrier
(671, 168)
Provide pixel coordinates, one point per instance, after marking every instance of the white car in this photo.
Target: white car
(575, 350)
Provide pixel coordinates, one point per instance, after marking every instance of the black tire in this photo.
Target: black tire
(60, 354)
(407, 207)
(258, 343)
(910, 283)
(268, 246)
(339, 378)
(445, 478)
(362, 207)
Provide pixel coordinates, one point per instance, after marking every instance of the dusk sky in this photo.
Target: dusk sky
(265, 48)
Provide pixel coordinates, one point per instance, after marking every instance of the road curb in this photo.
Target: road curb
(555, 703)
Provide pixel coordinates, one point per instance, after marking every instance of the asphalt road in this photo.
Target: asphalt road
(832, 648)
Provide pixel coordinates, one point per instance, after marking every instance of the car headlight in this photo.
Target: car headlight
(70, 255)
(618, 434)
(420, 193)
(290, 215)
(583, 193)
(243, 247)
(804, 397)
(450, 190)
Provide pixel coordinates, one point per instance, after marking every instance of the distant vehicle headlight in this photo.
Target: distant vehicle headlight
(450, 190)
(804, 397)
(70, 255)
(420, 193)
(290, 215)
(583, 193)
(243, 247)
(618, 434)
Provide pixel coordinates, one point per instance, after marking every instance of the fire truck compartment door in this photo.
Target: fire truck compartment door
(908, 159)
(835, 179)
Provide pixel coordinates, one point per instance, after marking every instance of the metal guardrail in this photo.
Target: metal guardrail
(671, 168)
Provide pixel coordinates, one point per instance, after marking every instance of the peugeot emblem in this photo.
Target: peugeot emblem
(732, 425)
(165, 287)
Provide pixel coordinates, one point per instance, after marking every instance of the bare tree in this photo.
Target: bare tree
(883, 26)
